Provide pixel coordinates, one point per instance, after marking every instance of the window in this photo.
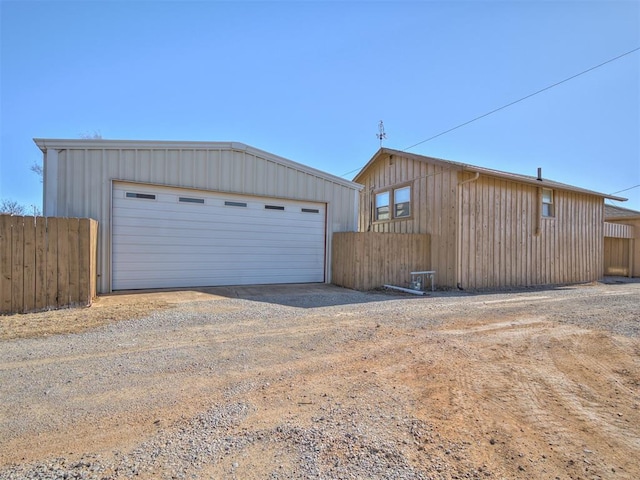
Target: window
(400, 198)
(190, 200)
(147, 196)
(547, 202)
(382, 206)
(310, 210)
(235, 204)
(402, 202)
(274, 207)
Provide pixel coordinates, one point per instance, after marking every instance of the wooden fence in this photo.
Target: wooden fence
(46, 262)
(363, 261)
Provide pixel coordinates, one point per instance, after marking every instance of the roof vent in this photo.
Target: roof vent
(539, 174)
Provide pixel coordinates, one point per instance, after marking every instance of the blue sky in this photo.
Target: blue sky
(310, 81)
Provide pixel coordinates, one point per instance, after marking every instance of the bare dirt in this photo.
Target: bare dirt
(319, 382)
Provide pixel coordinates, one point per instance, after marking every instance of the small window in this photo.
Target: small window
(547, 202)
(273, 207)
(235, 204)
(146, 196)
(402, 202)
(310, 210)
(190, 200)
(382, 206)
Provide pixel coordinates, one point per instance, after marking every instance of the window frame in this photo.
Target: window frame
(547, 209)
(396, 203)
(392, 205)
(376, 208)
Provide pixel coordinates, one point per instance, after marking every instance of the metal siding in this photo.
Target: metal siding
(84, 178)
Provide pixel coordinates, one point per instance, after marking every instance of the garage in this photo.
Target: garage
(169, 237)
(198, 213)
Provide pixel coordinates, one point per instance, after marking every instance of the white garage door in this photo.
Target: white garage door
(169, 237)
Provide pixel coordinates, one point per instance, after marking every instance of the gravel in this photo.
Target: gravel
(342, 441)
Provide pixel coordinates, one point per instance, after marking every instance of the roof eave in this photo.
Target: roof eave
(46, 143)
(515, 177)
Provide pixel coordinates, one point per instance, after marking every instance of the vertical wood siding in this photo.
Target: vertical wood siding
(622, 255)
(505, 242)
(46, 262)
(85, 176)
(617, 256)
(433, 191)
(367, 260)
(489, 232)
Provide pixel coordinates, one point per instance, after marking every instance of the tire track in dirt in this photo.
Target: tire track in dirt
(552, 394)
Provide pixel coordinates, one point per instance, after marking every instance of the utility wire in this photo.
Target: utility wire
(525, 97)
(515, 101)
(630, 188)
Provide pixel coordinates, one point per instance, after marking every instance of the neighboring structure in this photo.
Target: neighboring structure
(186, 214)
(488, 228)
(622, 241)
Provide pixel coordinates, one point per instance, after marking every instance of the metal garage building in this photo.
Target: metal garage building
(188, 214)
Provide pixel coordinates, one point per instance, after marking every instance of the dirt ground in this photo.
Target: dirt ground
(525, 384)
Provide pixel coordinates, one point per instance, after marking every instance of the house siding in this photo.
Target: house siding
(78, 182)
(487, 231)
(433, 205)
(505, 241)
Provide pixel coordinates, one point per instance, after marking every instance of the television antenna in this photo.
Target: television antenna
(381, 134)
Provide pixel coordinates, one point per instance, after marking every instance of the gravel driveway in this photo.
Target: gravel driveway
(315, 381)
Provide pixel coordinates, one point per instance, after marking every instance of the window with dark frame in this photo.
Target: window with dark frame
(402, 202)
(382, 206)
(547, 203)
(146, 196)
(235, 204)
(190, 200)
(400, 198)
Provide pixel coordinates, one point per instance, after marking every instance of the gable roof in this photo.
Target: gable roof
(611, 212)
(531, 180)
(64, 144)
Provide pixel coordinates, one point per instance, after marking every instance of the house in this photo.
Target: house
(622, 241)
(488, 229)
(188, 214)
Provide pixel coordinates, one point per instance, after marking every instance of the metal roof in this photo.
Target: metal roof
(531, 180)
(611, 212)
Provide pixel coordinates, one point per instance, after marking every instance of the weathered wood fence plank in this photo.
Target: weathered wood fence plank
(367, 260)
(46, 262)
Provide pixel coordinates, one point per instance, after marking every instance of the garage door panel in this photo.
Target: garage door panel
(157, 245)
(162, 242)
(233, 277)
(158, 222)
(133, 262)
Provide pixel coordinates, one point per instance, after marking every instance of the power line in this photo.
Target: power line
(626, 189)
(525, 97)
(514, 102)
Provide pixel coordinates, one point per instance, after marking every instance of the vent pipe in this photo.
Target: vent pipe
(539, 174)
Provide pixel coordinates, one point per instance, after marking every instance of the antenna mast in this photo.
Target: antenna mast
(381, 135)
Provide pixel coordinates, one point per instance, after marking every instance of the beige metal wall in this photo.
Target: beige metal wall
(506, 242)
(433, 207)
(79, 175)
